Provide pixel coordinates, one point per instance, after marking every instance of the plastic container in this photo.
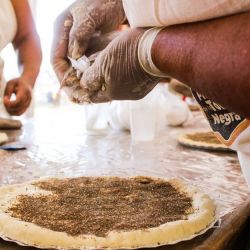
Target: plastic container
(143, 119)
(96, 119)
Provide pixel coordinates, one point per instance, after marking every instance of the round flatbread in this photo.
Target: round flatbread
(194, 107)
(204, 141)
(103, 213)
(10, 124)
(3, 138)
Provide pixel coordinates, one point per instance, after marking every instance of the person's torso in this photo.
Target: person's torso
(8, 29)
(8, 23)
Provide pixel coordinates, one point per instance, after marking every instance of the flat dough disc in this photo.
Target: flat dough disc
(10, 124)
(30, 234)
(204, 141)
(194, 107)
(3, 138)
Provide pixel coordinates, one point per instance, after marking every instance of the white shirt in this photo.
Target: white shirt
(232, 129)
(8, 23)
(8, 29)
(169, 12)
(8, 26)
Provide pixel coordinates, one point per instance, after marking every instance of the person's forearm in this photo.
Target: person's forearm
(27, 42)
(211, 57)
(29, 57)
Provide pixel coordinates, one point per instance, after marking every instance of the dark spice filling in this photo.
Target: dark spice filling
(208, 137)
(99, 205)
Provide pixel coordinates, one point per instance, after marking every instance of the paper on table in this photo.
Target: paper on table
(81, 64)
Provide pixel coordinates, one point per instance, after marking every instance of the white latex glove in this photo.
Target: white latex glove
(117, 73)
(71, 81)
(84, 28)
(76, 33)
(89, 17)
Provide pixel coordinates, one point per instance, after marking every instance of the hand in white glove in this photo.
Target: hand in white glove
(75, 28)
(59, 51)
(117, 74)
(90, 16)
(71, 81)
(75, 34)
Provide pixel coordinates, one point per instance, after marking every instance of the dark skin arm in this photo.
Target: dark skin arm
(211, 57)
(27, 46)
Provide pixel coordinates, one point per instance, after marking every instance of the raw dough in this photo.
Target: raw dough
(199, 216)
